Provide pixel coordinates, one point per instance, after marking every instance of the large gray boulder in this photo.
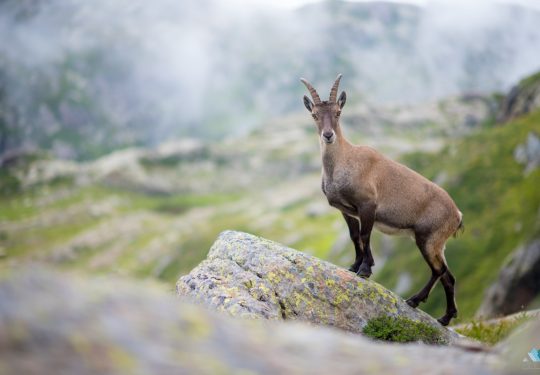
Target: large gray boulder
(55, 324)
(251, 277)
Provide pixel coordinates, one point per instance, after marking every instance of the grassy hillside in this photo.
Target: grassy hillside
(500, 206)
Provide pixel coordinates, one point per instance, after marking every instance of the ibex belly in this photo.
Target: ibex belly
(339, 198)
(386, 229)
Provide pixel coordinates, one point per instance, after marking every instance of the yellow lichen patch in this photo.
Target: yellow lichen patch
(263, 288)
(342, 297)
(273, 277)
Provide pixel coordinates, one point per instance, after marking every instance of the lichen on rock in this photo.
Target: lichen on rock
(251, 277)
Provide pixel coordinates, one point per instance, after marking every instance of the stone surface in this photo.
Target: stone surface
(517, 285)
(528, 153)
(53, 323)
(522, 99)
(247, 276)
(513, 352)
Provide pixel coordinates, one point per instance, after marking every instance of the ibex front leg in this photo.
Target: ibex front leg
(366, 213)
(354, 233)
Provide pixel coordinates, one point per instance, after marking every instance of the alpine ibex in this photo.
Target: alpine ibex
(371, 190)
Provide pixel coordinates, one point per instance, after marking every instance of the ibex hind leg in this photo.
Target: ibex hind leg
(431, 250)
(448, 281)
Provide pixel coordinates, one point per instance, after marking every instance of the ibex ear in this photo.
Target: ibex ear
(342, 99)
(308, 103)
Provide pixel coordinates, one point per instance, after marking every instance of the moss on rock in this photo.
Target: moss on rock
(401, 329)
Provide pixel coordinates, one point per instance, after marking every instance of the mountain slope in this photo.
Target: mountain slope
(153, 213)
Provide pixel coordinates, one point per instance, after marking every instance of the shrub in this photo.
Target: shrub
(400, 329)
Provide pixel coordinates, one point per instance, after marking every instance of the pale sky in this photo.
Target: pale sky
(296, 3)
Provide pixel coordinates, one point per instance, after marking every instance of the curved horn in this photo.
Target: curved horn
(312, 91)
(333, 92)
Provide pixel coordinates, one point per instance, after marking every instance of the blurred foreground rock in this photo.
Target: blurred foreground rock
(251, 277)
(52, 323)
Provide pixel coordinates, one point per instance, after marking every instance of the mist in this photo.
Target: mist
(81, 79)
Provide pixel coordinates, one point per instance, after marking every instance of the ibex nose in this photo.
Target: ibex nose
(328, 135)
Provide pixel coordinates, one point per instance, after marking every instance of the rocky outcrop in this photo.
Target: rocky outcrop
(251, 277)
(528, 153)
(517, 285)
(53, 323)
(522, 99)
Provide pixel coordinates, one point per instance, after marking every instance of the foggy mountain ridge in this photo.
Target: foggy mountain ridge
(82, 79)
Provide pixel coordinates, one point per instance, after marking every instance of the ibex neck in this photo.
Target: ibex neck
(332, 153)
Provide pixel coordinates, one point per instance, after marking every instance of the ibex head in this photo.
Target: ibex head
(325, 113)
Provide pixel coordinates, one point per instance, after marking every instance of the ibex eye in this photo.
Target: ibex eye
(315, 116)
(338, 113)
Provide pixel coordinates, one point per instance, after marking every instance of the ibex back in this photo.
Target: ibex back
(371, 190)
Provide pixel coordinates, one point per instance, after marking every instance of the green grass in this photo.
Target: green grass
(40, 240)
(500, 207)
(401, 329)
(40, 237)
(491, 332)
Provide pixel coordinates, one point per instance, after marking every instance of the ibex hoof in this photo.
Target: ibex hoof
(412, 302)
(447, 318)
(444, 320)
(354, 268)
(364, 273)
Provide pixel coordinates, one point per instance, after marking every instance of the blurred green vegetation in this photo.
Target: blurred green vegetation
(98, 228)
(491, 332)
(42, 220)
